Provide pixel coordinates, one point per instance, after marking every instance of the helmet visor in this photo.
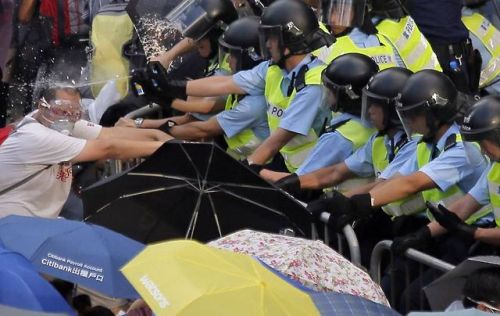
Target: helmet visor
(330, 96)
(271, 42)
(345, 13)
(413, 118)
(189, 18)
(230, 56)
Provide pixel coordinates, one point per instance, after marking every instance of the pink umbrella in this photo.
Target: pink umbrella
(310, 262)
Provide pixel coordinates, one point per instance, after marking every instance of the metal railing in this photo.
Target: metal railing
(415, 255)
(350, 238)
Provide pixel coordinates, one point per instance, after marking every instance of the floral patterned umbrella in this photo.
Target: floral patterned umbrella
(312, 263)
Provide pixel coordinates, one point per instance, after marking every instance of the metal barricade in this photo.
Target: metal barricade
(422, 258)
(350, 238)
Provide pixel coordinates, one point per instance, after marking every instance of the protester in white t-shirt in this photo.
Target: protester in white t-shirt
(45, 144)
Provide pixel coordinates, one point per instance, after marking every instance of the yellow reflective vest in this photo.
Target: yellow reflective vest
(243, 144)
(411, 44)
(380, 159)
(383, 55)
(298, 148)
(494, 190)
(452, 194)
(490, 37)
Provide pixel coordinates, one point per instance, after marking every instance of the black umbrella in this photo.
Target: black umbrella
(191, 190)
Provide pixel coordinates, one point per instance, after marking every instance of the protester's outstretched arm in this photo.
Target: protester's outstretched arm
(364, 188)
(488, 235)
(325, 177)
(133, 134)
(115, 148)
(197, 130)
(184, 46)
(213, 86)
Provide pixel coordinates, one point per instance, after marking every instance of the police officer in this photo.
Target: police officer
(393, 22)
(389, 145)
(244, 121)
(350, 22)
(440, 22)
(343, 81)
(486, 39)
(481, 125)
(290, 82)
(441, 168)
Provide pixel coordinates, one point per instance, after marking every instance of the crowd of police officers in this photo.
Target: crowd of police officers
(383, 113)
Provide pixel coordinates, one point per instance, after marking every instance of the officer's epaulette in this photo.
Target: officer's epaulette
(451, 141)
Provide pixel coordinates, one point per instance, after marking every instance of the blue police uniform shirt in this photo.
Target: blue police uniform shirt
(454, 166)
(250, 112)
(494, 87)
(480, 191)
(304, 111)
(439, 21)
(361, 161)
(404, 154)
(330, 149)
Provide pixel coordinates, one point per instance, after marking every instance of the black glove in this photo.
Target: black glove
(155, 85)
(342, 210)
(290, 184)
(451, 222)
(417, 240)
(254, 167)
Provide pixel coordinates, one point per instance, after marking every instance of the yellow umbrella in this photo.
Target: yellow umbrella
(185, 277)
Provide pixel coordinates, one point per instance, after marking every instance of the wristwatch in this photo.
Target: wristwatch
(138, 122)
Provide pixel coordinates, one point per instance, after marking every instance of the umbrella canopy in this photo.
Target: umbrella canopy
(464, 312)
(192, 190)
(22, 287)
(184, 277)
(187, 278)
(448, 287)
(312, 263)
(11, 311)
(80, 253)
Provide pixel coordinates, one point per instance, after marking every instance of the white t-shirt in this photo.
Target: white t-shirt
(31, 148)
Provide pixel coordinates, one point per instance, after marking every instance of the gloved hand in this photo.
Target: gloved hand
(290, 184)
(415, 240)
(451, 222)
(254, 167)
(342, 210)
(154, 84)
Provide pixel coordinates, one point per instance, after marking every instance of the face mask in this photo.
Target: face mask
(63, 126)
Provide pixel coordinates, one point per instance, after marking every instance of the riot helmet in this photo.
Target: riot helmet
(343, 81)
(241, 41)
(474, 4)
(427, 102)
(382, 91)
(292, 25)
(251, 7)
(195, 18)
(483, 121)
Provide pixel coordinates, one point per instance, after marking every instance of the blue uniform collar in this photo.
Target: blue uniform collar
(307, 59)
(453, 129)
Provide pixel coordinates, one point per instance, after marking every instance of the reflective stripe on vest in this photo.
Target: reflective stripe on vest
(411, 44)
(449, 196)
(298, 148)
(243, 144)
(494, 190)
(380, 159)
(383, 55)
(490, 37)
